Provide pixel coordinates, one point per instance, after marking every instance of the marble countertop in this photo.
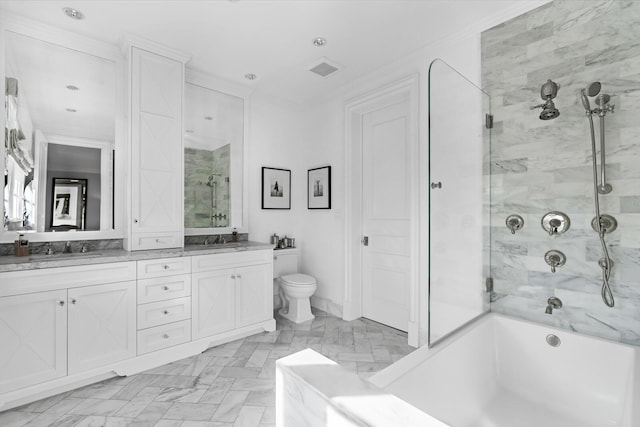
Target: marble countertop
(31, 262)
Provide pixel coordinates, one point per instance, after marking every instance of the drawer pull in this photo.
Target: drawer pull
(165, 336)
(60, 303)
(233, 276)
(238, 276)
(165, 312)
(166, 267)
(73, 301)
(165, 288)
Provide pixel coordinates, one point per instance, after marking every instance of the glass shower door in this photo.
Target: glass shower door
(459, 142)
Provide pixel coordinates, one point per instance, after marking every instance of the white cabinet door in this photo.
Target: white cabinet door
(157, 151)
(213, 305)
(254, 289)
(102, 325)
(33, 344)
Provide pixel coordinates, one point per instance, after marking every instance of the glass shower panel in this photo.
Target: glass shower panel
(459, 144)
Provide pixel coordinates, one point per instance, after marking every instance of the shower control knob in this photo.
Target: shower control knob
(435, 185)
(555, 259)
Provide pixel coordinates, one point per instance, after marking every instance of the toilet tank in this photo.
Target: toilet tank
(285, 261)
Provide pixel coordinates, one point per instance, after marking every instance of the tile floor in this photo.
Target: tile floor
(231, 385)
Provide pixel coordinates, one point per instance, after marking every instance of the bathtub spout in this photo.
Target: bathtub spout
(552, 303)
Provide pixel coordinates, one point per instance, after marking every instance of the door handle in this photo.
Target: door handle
(435, 185)
(365, 240)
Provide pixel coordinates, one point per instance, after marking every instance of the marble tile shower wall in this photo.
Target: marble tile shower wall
(540, 166)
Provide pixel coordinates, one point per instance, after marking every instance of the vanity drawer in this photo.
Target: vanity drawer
(163, 312)
(232, 259)
(157, 241)
(163, 267)
(164, 336)
(163, 288)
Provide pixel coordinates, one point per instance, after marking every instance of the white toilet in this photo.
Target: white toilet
(295, 289)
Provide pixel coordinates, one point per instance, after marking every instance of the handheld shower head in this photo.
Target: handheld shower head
(585, 100)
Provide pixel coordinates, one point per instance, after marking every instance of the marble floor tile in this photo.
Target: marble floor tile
(231, 385)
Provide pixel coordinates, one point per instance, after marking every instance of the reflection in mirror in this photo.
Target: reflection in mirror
(214, 131)
(68, 202)
(61, 123)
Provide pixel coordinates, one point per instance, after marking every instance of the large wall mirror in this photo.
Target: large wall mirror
(60, 124)
(214, 128)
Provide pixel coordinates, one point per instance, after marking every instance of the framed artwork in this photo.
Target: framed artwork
(68, 210)
(319, 188)
(276, 188)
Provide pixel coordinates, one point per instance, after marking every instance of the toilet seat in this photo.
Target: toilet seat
(298, 279)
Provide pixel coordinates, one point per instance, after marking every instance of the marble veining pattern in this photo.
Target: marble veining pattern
(539, 166)
(231, 385)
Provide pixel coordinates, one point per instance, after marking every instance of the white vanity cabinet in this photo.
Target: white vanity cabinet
(101, 325)
(231, 291)
(33, 333)
(56, 322)
(157, 150)
(164, 303)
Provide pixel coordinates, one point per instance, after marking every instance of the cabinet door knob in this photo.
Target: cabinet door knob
(73, 301)
(238, 276)
(166, 267)
(233, 276)
(165, 312)
(165, 336)
(157, 240)
(165, 288)
(60, 303)
(135, 221)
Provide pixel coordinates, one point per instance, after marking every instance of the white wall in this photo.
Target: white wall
(302, 137)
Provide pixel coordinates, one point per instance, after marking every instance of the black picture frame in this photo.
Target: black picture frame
(319, 188)
(276, 188)
(68, 204)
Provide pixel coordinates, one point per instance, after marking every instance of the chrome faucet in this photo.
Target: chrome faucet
(552, 303)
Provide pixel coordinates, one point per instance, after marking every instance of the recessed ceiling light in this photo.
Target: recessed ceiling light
(208, 118)
(319, 41)
(71, 110)
(73, 87)
(73, 13)
(250, 76)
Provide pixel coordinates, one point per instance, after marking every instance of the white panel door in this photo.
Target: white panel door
(214, 302)
(102, 325)
(386, 215)
(33, 339)
(254, 289)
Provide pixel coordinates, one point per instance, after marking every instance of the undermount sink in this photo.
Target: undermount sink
(214, 246)
(66, 255)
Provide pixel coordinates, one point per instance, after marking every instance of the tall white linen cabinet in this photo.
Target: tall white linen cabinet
(155, 217)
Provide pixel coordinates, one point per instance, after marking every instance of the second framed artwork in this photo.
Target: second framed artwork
(319, 188)
(276, 188)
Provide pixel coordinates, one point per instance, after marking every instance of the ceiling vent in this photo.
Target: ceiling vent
(324, 67)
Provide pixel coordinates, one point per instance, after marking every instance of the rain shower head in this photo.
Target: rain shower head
(549, 111)
(548, 91)
(593, 89)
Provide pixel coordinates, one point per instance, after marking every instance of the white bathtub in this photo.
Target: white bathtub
(501, 372)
